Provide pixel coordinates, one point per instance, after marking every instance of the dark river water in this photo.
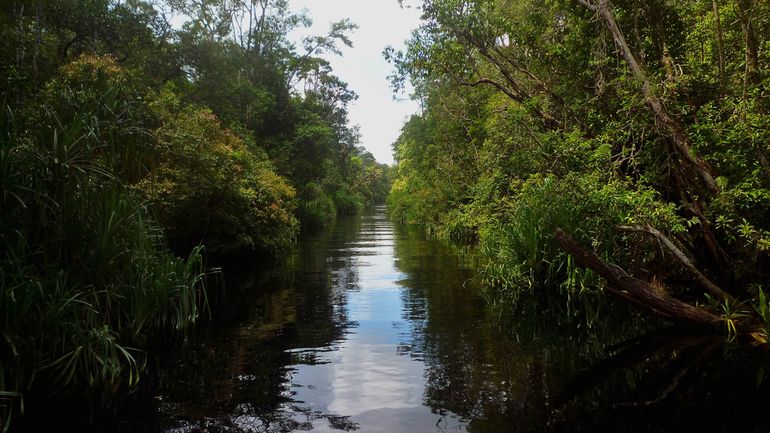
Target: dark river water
(369, 328)
(364, 328)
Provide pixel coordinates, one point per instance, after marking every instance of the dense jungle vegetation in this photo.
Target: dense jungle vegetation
(597, 148)
(135, 134)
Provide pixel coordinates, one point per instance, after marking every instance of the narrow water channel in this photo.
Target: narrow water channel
(369, 328)
(365, 327)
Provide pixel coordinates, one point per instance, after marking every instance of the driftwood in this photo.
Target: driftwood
(638, 291)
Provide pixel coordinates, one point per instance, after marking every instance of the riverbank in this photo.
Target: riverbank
(371, 327)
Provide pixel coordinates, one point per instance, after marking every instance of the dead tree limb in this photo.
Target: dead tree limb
(682, 257)
(636, 290)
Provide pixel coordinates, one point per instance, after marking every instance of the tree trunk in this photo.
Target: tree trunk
(751, 46)
(38, 40)
(636, 290)
(669, 125)
(19, 15)
(720, 43)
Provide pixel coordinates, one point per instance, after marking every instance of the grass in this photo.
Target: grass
(85, 276)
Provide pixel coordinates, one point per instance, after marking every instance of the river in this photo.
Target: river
(368, 327)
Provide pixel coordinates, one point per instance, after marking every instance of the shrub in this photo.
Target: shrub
(316, 208)
(85, 278)
(210, 188)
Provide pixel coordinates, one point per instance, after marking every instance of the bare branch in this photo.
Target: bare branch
(682, 257)
(634, 289)
(540, 84)
(589, 6)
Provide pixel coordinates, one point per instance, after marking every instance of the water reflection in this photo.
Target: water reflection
(330, 348)
(369, 328)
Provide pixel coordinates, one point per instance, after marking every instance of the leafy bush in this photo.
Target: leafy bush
(84, 273)
(316, 208)
(210, 188)
(520, 248)
(346, 202)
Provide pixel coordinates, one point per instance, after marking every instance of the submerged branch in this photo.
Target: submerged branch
(642, 350)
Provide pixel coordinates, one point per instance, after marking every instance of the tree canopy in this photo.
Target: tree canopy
(137, 131)
(577, 139)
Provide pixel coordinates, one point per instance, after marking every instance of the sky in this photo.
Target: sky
(380, 23)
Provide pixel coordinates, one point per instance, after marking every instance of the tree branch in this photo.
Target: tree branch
(636, 290)
(682, 257)
(671, 127)
(589, 6)
(515, 96)
(549, 120)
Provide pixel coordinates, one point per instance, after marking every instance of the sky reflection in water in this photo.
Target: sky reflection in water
(368, 377)
(367, 328)
(371, 376)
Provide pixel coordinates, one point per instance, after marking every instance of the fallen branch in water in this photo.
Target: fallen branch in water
(638, 291)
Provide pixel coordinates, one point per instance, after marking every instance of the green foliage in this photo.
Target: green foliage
(84, 271)
(209, 188)
(316, 208)
(347, 203)
(762, 307)
(731, 312)
(122, 135)
(520, 247)
(531, 122)
(433, 172)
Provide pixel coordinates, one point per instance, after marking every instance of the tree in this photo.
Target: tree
(623, 146)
